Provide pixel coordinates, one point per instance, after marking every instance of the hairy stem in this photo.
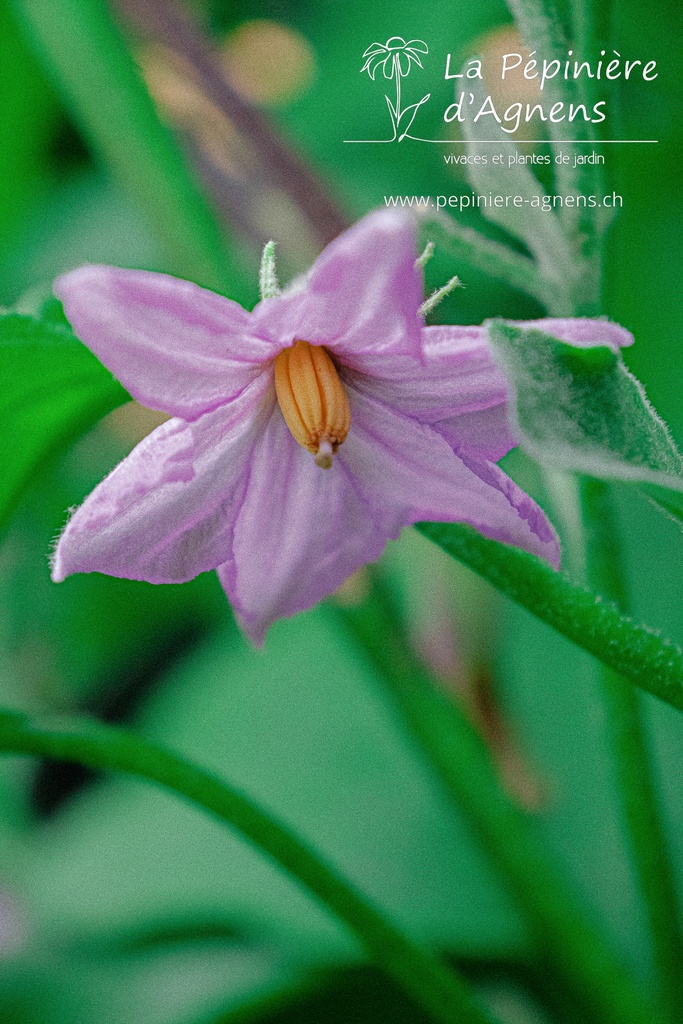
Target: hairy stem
(492, 258)
(638, 796)
(542, 30)
(589, 620)
(570, 946)
(170, 23)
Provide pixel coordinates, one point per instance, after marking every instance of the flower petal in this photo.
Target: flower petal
(166, 513)
(417, 44)
(458, 388)
(300, 533)
(403, 62)
(375, 62)
(175, 347)
(408, 472)
(485, 434)
(581, 331)
(361, 296)
(374, 48)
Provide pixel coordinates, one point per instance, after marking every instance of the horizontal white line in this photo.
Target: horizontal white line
(517, 142)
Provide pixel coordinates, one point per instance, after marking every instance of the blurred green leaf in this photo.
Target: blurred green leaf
(28, 114)
(360, 994)
(581, 409)
(53, 390)
(82, 47)
(85, 217)
(158, 935)
(311, 738)
(666, 499)
(579, 956)
(442, 993)
(469, 246)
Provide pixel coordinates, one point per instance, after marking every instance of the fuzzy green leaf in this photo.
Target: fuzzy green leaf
(581, 409)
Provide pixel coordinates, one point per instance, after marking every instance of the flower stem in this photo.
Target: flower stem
(397, 72)
(639, 799)
(269, 286)
(492, 258)
(542, 30)
(443, 994)
(591, 30)
(171, 24)
(570, 947)
(634, 651)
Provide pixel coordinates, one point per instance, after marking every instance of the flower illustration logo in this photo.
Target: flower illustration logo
(396, 57)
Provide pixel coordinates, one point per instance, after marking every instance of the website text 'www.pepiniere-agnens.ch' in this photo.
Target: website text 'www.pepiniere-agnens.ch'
(472, 200)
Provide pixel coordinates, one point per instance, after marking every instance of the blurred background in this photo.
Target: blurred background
(117, 902)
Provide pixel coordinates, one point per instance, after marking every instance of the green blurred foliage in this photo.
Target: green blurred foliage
(55, 391)
(29, 112)
(302, 725)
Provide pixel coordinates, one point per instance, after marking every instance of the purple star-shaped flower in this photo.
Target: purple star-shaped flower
(410, 419)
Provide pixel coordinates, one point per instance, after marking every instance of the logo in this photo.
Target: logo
(396, 57)
(514, 100)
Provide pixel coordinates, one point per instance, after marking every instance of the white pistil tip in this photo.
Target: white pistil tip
(324, 456)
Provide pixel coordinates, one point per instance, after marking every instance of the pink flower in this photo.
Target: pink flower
(410, 419)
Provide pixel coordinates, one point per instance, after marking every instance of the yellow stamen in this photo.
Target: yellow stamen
(312, 400)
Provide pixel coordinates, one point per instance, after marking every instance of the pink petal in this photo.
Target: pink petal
(458, 389)
(408, 472)
(485, 434)
(166, 513)
(581, 331)
(361, 296)
(175, 347)
(301, 531)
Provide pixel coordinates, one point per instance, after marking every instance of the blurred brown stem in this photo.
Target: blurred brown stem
(168, 23)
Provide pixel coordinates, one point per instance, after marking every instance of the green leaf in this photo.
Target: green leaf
(53, 390)
(668, 501)
(363, 995)
(107, 869)
(123, 854)
(581, 409)
(29, 112)
(165, 933)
